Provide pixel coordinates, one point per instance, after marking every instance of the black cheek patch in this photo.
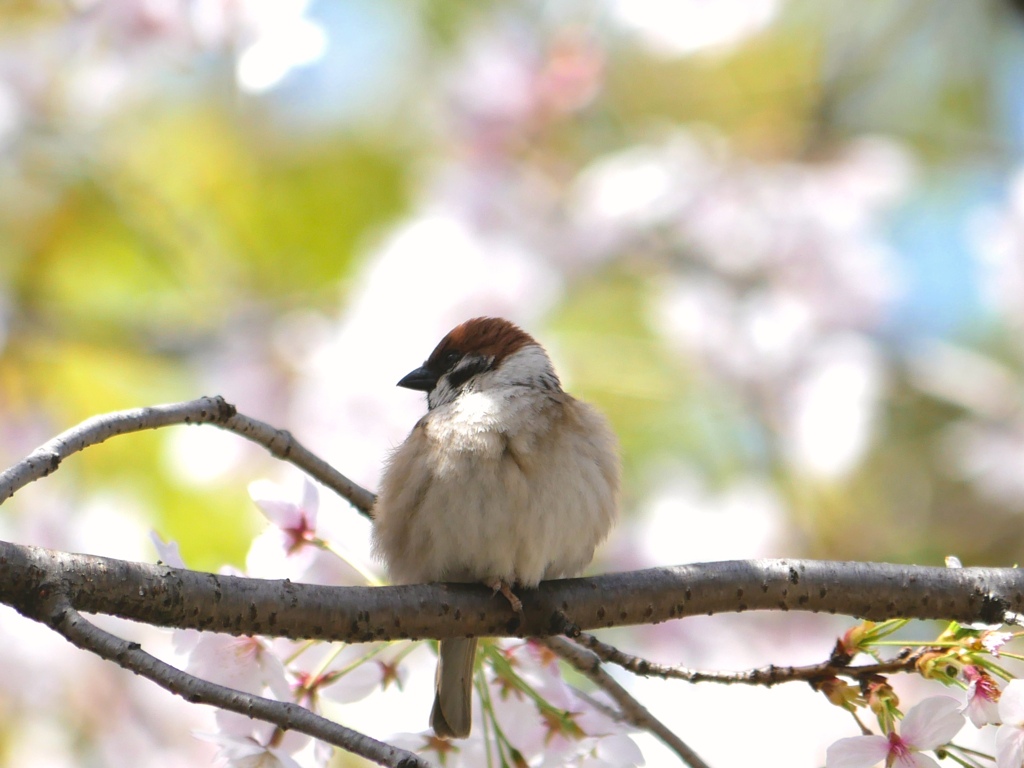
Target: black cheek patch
(469, 368)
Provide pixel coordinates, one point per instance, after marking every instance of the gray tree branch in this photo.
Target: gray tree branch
(65, 620)
(52, 587)
(205, 410)
(173, 597)
(632, 711)
(835, 666)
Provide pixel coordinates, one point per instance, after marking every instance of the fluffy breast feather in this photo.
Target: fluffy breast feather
(521, 486)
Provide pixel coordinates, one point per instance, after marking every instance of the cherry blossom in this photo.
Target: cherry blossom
(293, 547)
(982, 697)
(577, 731)
(248, 752)
(246, 664)
(601, 742)
(243, 663)
(294, 517)
(993, 641)
(569, 729)
(345, 673)
(1010, 736)
(927, 725)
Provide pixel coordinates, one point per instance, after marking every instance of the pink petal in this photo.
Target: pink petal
(276, 503)
(619, 749)
(283, 514)
(932, 723)
(994, 641)
(982, 705)
(980, 710)
(243, 663)
(1011, 703)
(246, 751)
(232, 747)
(914, 760)
(355, 685)
(167, 550)
(1009, 746)
(857, 752)
(310, 501)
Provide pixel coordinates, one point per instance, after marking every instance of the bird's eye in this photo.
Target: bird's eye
(450, 358)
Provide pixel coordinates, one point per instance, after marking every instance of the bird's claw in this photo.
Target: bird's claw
(500, 585)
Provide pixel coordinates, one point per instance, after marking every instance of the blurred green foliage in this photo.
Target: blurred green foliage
(198, 207)
(184, 218)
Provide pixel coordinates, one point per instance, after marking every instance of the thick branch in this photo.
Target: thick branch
(206, 410)
(632, 711)
(79, 631)
(172, 597)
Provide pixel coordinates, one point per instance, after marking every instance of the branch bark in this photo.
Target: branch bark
(172, 597)
(66, 621)
(632, 711)
(205, 410)
(53, 587)
(762, 676)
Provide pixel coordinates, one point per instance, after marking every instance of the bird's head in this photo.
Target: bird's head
(480, 354)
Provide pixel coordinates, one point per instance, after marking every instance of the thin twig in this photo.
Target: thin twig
(632, 710)
(281, 444)
(766, 676)
(205, 410)
(289, 716)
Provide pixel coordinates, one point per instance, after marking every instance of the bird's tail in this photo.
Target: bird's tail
(451, 717)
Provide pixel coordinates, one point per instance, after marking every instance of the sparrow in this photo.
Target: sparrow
(507, 480)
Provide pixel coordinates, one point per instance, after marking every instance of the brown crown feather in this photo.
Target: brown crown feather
(492, 337)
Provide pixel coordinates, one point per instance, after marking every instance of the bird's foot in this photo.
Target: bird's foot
(500, 585)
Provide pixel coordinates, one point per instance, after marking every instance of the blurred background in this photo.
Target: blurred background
(779, 242)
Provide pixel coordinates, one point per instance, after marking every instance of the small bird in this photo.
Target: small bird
(506, 480)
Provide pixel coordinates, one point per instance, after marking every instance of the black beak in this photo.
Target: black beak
(421, 379)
